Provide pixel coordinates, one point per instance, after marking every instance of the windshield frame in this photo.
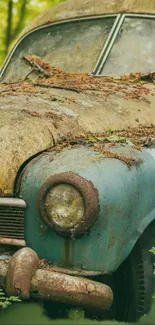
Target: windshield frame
(104, 54)
(106, 50)
(11, 53)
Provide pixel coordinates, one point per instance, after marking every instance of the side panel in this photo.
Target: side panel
(127, 206)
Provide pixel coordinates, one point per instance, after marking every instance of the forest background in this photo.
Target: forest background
(14, 16)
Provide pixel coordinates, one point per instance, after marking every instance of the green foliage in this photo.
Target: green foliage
(110, 131)
(115, 138)
(5, 301)
(76, 313)
(15, 15)
(152, 250)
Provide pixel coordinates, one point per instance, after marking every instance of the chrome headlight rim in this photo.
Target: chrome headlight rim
(90, 199)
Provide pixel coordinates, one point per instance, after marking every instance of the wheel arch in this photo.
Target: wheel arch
(146, 226)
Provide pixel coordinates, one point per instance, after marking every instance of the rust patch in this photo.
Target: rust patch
(20, 272)
(91, 203)
(42, 231)
(129, 161)
(35, 114)
(54, 116)
(72, 252)
(66, 253)
(77, 291)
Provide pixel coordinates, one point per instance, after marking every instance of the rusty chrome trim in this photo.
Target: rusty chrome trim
(12, 242)
(140, 15)
(108, 41)
(91, 203)
(107, 50)
(12, 202)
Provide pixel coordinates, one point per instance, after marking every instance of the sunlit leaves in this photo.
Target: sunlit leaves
(20, 18)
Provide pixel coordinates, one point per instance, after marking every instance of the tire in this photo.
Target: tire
(132, 283)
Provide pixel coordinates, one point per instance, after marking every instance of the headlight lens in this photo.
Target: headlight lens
(64, 205)
(69, 204)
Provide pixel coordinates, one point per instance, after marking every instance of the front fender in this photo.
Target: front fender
(126, 198)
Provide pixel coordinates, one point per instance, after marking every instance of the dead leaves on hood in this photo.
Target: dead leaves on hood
(129, 86)
(13, 89)
(133, 86)
(136, 138)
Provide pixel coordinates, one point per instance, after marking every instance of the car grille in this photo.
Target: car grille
(12, 218)
(12, 222)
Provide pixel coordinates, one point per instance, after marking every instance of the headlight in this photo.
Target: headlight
(64, 205)
(69, 204)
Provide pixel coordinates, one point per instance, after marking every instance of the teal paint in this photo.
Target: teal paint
(127, 206)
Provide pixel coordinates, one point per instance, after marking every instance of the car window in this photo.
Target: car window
(134, 48)
(73, 46)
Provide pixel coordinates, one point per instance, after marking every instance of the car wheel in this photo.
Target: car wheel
(133, 283)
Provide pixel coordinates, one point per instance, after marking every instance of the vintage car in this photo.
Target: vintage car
(77, 182)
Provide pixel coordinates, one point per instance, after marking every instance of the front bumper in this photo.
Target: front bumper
(22, 277)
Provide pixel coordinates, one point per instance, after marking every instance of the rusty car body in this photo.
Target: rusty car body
(77, 181)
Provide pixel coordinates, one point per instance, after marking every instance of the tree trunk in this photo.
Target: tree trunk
(9, 25)
(21, 19)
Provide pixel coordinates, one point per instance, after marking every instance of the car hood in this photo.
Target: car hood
(34, 117)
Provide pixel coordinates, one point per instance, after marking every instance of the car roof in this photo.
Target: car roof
(83, 8)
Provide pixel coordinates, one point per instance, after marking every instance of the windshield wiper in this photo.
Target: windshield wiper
(36, 67)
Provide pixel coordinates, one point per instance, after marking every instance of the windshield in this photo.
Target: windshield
(73, 46)
(134, 48)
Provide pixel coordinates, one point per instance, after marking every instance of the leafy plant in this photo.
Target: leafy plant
(76, 313)
(7, 301)
(152, 250)
(111, 131)
(115, 138)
